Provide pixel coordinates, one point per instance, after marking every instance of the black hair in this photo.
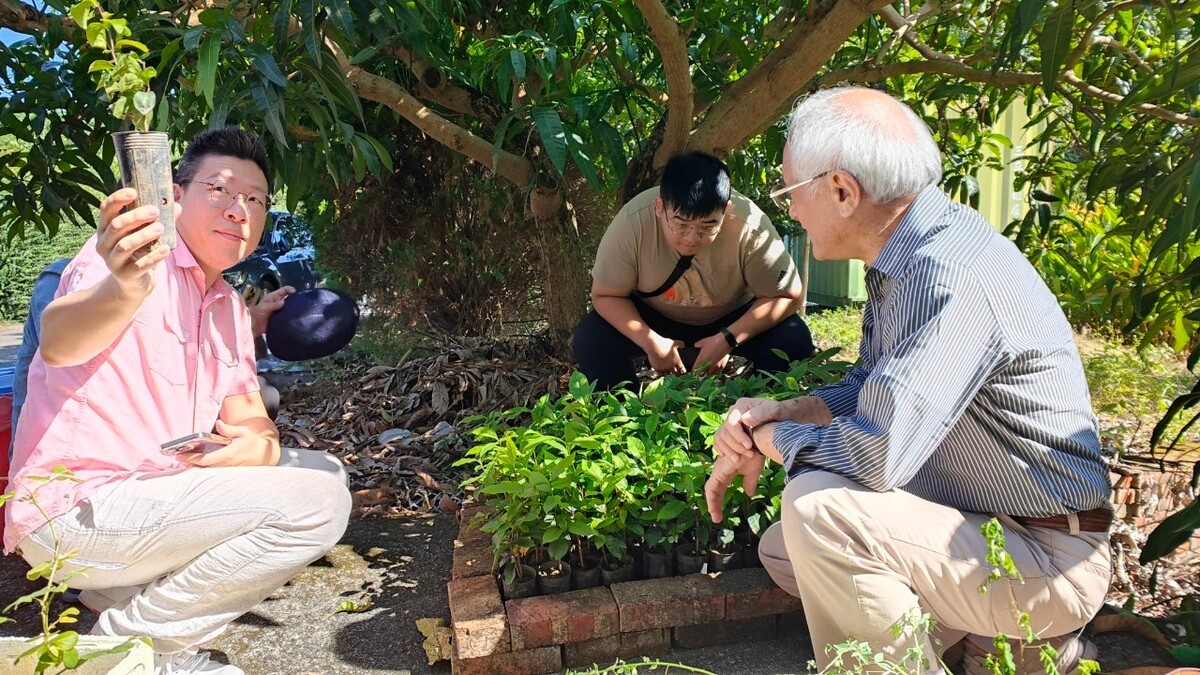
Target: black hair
(229, 141)
(695, 184)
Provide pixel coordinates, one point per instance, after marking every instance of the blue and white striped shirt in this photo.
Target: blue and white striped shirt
(970, 392)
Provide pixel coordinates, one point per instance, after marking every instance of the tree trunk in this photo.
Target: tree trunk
(640, 173)
(565, 288)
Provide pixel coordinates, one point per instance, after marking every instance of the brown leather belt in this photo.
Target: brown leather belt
(1092, 520)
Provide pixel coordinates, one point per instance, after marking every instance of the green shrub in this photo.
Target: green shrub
(600, 471)
(1126, 382)
(1131, 389)
(21, 259)
(839, 327)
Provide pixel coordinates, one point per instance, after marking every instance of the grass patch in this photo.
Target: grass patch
(837, 327)
(1131, 390)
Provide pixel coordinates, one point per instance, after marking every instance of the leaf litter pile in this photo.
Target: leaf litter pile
(398, 428)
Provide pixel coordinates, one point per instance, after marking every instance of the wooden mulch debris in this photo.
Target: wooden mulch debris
(398, 428)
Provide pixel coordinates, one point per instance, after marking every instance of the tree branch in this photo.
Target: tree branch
(670, 40)
(628, 78)
(1117, 46)
(371, 87)
(1081, 49)
(748, 106)
(435, 87)
(872, 73)
(23, 18)
(903, 26)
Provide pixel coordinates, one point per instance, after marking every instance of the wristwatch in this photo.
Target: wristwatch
(733, 343)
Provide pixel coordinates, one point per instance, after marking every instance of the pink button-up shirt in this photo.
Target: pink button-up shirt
(166, 376)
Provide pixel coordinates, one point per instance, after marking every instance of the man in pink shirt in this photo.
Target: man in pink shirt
(138, 350)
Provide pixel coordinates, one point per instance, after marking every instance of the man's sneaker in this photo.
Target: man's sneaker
(71, 595)
(1071, 648)
(189, 662)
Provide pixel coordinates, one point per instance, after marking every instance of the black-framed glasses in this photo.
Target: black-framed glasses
(257, 203)
(701, 231)
(778, 195)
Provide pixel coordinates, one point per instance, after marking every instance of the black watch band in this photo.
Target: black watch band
(733, 343)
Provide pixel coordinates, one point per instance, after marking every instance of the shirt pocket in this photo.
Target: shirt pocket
(168, 359)
(222, 358)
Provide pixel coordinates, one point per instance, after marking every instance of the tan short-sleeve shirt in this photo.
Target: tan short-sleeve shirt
(747, 260)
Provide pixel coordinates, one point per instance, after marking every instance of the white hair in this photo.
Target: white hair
(890, 155)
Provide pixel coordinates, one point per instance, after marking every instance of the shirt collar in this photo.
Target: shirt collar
(183, 259)
(914, 228)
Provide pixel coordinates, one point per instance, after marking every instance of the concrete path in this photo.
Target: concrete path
(403, 565)
(10, 339)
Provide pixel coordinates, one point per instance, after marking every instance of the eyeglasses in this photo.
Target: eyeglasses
(257, 203)
(777, 196)
(703, 232)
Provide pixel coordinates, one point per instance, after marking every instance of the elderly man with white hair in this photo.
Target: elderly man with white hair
(969, 403)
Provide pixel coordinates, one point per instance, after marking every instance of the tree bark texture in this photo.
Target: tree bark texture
(566, 286)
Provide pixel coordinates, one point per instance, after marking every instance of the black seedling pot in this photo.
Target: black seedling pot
(145, 161)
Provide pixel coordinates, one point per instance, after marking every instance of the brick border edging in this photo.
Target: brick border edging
(548, 633)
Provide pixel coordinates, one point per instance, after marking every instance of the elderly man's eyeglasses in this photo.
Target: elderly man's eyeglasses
(701, 231)
(781, 196)
(257, 203)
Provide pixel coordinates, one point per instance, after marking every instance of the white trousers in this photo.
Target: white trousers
(862, 560)
(177, 556)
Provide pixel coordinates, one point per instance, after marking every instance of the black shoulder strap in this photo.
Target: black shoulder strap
(682, 266)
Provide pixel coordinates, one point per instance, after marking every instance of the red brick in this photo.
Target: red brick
(604, 651)
(538, 661)
(575, 616)
(1122, 480)
(477, 618)
(470, 509)
(723, 632)
(669, 602)
(1125, 496)
(473, 554)
(751, 593)
(472, 557)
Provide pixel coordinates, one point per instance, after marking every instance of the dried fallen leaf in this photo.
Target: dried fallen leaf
(448, 505)
(372, 497)
(352, 607)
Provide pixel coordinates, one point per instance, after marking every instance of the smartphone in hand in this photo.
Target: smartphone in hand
(202, 442)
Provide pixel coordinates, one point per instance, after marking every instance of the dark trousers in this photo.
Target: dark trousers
(608, 358)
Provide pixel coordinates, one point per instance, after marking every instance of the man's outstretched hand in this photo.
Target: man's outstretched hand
(725, 469)
(261, 312)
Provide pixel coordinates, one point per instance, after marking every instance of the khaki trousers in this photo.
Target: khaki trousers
(178, 555)
(863, 560)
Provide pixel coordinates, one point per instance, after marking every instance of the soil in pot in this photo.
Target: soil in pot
(524, 585)
(554, 576)
(687, 561)
(749, 549)
(635, 552)
(719, 561)
(657, 564)
(535, 556)
(617, 571)
(585, 574)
